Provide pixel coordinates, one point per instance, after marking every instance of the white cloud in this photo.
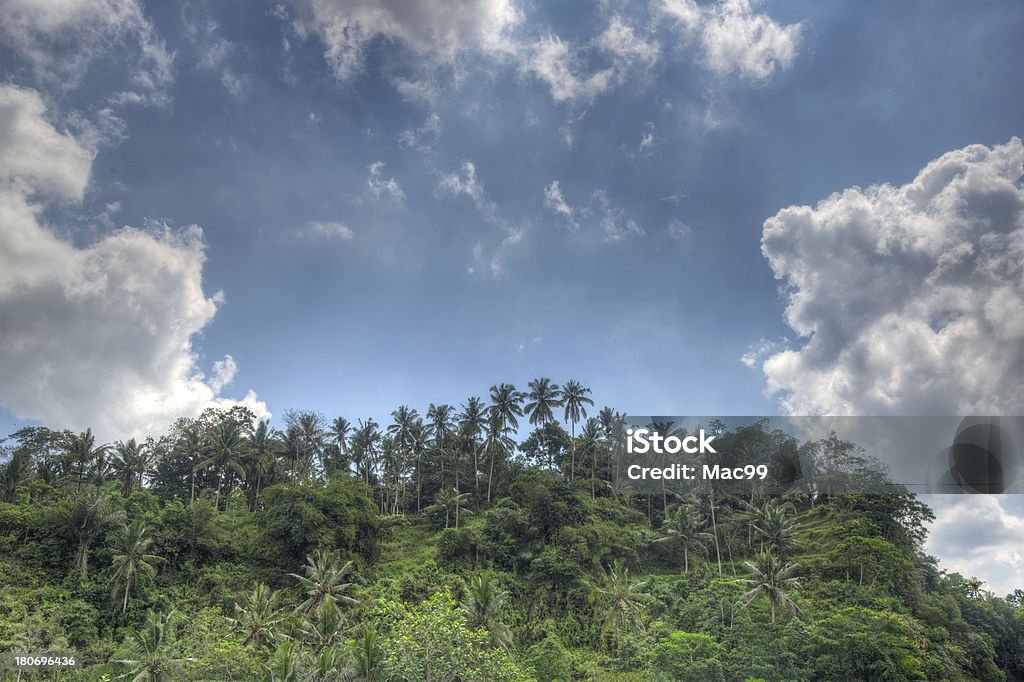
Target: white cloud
(421, 138)
(99, 336)
(600, 214)
(555, 201)
(734, 39)
(378, 186)
(911, 301)
(59, 39)
(327, 230)
(911, 298)
(564, 67)
(435, 30)
(467, 184)
(679, 230)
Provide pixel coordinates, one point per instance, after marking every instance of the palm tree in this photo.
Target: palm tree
(402, 430)
(131, 461)
(132, 562)
(263, 449)
(574, 395)
(366, 655)
(81, 450)
(472, 422)
(258, 616)
(683, 525)
(190, 444)
(339, 432)
(506, 405)
(88, 516)
(770, 577)
(591, 442)
(441, 426)
(497, 441)
(285, 663)
(323, 628)
(364, 447)
(624, 597)
(449, 500)
(323, 581)
(774, 524)
(544, 396)
(225, 450)
(155, 651)
(482, 605)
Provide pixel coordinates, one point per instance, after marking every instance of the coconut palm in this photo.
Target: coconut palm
(472, 422)
(190, 445)
(450, 501)
(339, 433)
(402, 430)
(574, 396)
(323, 628)
(774, 524)
(132, 563)
(324, 581)
(82, 450)
(544, 396)
(683, 525)
(482, 605)
(262, 455)
(225, 450)
(624, 598)
(441, 425)
(772, 578)
(258, 616)
(88, 516)
(154, 651)
(366, 655)
(130, 461)
(497, 442)
(285, 663)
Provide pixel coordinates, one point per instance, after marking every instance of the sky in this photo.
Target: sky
(731, 207)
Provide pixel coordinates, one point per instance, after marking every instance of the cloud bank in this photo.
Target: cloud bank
(97, 336)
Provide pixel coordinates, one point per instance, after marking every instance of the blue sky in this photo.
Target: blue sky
(400, 204)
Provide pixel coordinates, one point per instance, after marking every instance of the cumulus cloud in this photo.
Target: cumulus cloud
(734, 38)
(436, 30)
(98, 336)
(59, 39)
(910, 298)
(421, 138)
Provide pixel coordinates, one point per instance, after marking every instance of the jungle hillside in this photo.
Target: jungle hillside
(479, 541)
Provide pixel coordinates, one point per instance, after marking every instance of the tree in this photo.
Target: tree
(262, 455)
(324, 582)
(450, 501)
(190, 445)
(225, 450)
(770, 577)
(82, 450)
(544, 396)
(131, 460)
(154, 651)
(403, 431)
(366, 655)
(441, 426)
(339, 432)
(482, 605)
(506, 406)
(258, 616)
(473, 422)
(624, 600)
(132, 563)
(88, 516)
(574, 395)
(684, 526)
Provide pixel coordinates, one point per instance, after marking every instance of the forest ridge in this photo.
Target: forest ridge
(484, 541)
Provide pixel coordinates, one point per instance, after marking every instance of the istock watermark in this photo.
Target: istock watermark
(820, 455)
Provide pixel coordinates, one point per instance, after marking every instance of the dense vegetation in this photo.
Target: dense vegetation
(440, 548)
